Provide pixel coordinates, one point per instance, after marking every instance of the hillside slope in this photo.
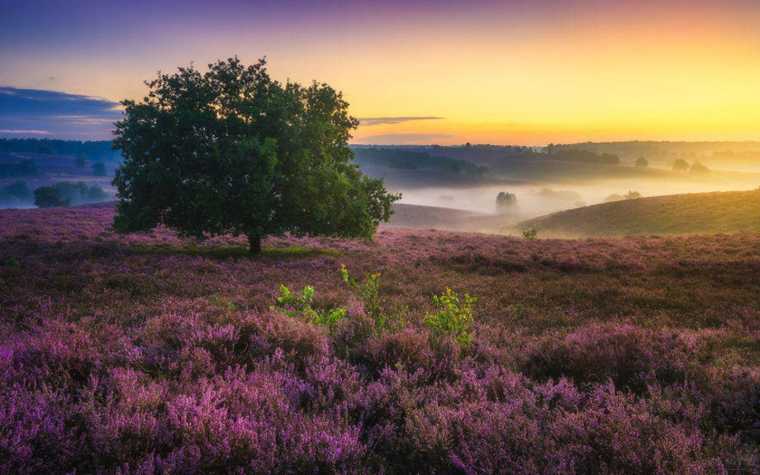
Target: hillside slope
(155, 354)
(693, 213)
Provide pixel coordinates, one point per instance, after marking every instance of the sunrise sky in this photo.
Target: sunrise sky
(509, 72)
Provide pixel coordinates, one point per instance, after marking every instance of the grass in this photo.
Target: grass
(225, 251)
(693, 213)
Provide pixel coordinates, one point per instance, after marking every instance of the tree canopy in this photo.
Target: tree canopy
(231, 150)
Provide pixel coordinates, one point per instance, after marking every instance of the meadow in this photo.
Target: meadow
(678, 214)
(147, 353)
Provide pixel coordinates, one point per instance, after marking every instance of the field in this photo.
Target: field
(148, 353)
(692, 213)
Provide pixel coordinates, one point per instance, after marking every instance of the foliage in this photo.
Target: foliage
(369, 294)
(49, 197)
(642, 162)
(233, 151)
(632, 195)
(101, 149)
(66, 193)
(302, 306)
(454, 317)
(530, 234)
(505, 200)
(680, 165)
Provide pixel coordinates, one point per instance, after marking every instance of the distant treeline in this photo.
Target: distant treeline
(405, 159)
(570, 154)
(99, 149)
(63, 193)
(736, 151)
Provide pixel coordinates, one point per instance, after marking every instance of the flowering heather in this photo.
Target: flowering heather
(152, 354)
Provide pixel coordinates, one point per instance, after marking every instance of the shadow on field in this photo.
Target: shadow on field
(232, 252)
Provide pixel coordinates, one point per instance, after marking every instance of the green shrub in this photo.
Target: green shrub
(369, 294)
(301, 306)
(530, 234)
(454, 317)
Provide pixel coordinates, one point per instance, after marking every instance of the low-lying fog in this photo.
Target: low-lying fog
(539, 199)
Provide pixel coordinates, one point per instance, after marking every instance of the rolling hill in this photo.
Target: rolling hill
(693, 213)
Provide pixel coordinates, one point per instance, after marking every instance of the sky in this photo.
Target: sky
(414, 71)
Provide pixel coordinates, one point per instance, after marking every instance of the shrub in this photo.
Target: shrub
(301, 306)
(369, 294)
(530, 234)
(49, 197)
(454, 317)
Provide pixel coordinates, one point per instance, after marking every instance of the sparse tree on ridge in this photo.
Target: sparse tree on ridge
(642, 162)
(231, 150)
(681, 165)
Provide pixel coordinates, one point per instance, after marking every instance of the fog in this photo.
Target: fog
(543, 198)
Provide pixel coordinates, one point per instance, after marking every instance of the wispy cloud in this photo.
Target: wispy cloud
(370, 121)
(24, 132)
(34, 112)
(402, 139)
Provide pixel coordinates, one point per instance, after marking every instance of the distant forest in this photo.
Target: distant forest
(99, 149)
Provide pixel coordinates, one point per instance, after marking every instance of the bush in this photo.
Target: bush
(301, 306)
(369, 295)
(66, 193)
(49, 197)
(454, 317)
(530, 234)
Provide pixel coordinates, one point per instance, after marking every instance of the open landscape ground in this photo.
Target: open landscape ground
(148, 353)
(691, 213)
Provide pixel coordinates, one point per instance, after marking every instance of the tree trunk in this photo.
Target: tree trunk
(254, 244)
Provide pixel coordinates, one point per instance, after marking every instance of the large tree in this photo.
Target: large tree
(231, 150)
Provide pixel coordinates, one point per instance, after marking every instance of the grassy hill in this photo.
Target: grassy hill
(148, 353)
(693, 213)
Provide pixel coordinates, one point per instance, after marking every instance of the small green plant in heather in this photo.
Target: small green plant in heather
(369, 293)
(530, 234)
(454, 317)
(295, 305)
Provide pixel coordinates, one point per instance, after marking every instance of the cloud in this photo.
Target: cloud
(370, 121)
(402, 139)
(34, 112)
(24, 132)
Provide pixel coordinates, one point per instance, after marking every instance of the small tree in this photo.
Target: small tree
(233, 151)
(680, 165)
(632, 195)
(505, 200)
(642, 162)
(698, 169)
(49, 197)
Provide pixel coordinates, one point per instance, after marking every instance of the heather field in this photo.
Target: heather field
(153, 354)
